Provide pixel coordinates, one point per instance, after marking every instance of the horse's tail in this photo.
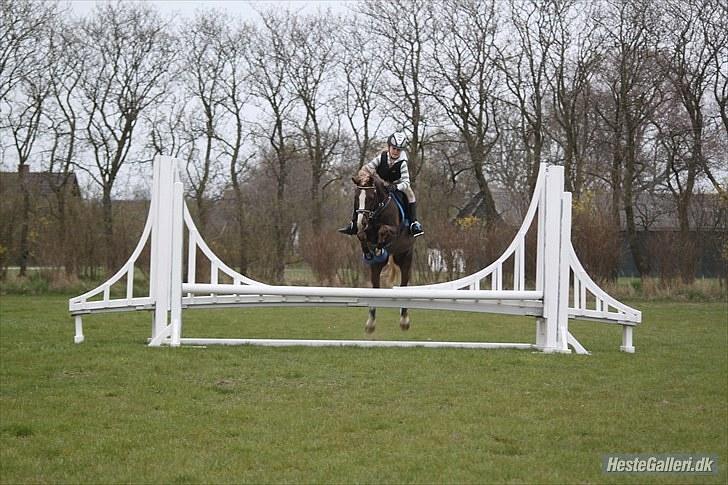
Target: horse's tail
(391, 274)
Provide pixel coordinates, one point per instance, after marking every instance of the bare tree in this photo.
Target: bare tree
(203, 69)
(523, 61)
(693, 40)
(463, 82)
(268, 85)
(688, 62)
(168, 125)
(362, 65)
(130, 51)
(574, 60)
(235, 99)
(63, 125)
(26, 58)
(310, 58)
(716, 28)
(21, 22)
(404, 31)
(634, 93)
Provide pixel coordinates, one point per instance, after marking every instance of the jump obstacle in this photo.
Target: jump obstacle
(563, 290)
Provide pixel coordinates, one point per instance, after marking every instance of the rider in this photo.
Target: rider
(391, 166)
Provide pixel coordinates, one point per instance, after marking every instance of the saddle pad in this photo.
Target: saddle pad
(401, 199)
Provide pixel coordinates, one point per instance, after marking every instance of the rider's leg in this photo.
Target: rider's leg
(415, 227)
(351, 228)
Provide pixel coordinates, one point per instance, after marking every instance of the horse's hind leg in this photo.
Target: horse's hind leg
(404, 320)
(375, 275)
(405, 266)
(372, 320)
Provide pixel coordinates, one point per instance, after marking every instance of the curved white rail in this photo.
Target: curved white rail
(127, 270)
(603, 301)
(517, 245)
(195, 241)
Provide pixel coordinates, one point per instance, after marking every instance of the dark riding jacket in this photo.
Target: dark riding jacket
(393, 171)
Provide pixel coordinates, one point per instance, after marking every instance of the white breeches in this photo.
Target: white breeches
(410, 195)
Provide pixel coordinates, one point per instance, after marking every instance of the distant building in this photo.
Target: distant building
(41, 185)
(24, 221)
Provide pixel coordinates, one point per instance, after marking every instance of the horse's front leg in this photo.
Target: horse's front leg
(371, 321)
(404, 319)
(375, 275)
(405, 267)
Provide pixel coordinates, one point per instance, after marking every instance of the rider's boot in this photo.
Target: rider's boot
(415, 228)
(349, 229)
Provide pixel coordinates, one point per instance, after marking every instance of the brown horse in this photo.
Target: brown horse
(382, 235)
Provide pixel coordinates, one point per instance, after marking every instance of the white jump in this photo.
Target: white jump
(562, 289)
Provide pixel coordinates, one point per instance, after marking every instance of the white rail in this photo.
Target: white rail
(401, 293)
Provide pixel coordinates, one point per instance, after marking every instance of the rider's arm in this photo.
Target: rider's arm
(404, 180)
(371, 166)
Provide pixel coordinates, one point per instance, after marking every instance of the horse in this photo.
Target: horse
(382, 235)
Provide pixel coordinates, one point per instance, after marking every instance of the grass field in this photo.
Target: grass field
(113, 410)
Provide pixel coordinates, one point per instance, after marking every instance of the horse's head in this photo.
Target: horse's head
(373, 209)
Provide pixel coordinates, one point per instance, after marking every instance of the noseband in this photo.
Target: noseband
(372, 215)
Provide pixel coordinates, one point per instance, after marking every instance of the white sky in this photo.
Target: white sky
(242, 9)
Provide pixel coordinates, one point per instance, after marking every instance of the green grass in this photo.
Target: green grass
(113, 410)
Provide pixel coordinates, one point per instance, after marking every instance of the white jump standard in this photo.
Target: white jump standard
(562, 289)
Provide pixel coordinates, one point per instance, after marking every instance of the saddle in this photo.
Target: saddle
(401, 199)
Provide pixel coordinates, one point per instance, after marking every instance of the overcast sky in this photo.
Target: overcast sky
(243, 9)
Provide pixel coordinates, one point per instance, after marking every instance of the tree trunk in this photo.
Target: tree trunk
(640, 259)
(281, 233)
(202, 213)
(491, 213)
(687, 249)
(316, 207)
(242, 247)
(616, 183)
(66, 258)
(108, 226)
(242, 230)
(24, 243)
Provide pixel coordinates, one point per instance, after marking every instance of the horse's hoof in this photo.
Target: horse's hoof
(370, 326)
(404, 323)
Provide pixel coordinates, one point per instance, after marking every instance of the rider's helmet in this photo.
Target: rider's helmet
(397, 140)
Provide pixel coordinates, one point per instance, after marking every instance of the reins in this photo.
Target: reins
(373, 214)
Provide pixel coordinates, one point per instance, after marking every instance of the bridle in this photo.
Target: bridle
(372, 215)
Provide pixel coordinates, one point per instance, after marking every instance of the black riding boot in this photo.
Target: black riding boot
(349, 229)
(415, 228)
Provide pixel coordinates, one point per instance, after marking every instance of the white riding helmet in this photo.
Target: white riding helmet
(397, 140)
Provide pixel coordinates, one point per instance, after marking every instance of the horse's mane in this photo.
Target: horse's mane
(366, 179)
(363, 179)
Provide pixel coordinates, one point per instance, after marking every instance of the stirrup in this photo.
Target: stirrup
(416, 229)
(349, 229)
